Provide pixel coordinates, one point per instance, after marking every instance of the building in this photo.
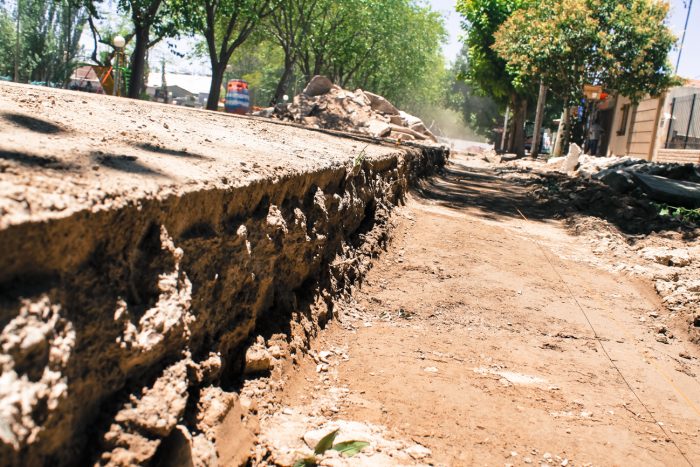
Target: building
(659, 129)
(190, 90)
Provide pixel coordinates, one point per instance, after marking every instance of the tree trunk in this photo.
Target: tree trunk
(562, 133)
(539, 116)
(282, 84)
(217, 77)
(502, 147)
(138, 61)
(519, 116)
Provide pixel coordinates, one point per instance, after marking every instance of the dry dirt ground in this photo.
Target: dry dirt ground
(482, 338)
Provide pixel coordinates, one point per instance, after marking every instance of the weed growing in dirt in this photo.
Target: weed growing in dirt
(346, 448)
(679, 213)
(361, 156)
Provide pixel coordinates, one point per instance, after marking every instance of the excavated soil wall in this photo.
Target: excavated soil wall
(124, 329)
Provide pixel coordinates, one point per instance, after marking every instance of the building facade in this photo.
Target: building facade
(659, 129)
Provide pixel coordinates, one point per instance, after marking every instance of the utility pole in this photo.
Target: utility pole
(539, 116)
(685, 28)
(17, 44)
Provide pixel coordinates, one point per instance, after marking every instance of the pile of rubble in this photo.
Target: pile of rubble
(323, 104)
(674, 184)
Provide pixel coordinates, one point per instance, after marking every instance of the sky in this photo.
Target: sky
(690, 58)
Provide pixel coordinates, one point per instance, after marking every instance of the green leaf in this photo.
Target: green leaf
(350, 448)
(306, 462)
(326, 442)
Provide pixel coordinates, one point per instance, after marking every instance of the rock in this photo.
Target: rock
(572, 158)
(619, 181)
(257, 360)
(380, 104)
(378, 129)
(397, 120)
(139, 426)
(408, 119)
(318, 86)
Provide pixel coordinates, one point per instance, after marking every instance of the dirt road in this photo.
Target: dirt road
(473, 341)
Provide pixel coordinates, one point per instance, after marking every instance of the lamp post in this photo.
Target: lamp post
(119, 42)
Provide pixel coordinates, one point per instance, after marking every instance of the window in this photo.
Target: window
(623, 121)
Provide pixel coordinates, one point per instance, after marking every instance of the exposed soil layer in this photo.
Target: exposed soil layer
(143, 248)
(469, 342)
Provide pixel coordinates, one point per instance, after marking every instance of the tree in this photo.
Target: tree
(479, 112)
(152, 21)
(48, 41)
(290, 24)
(225, 25)
(621, 45)
(487, 71)
(391, 48)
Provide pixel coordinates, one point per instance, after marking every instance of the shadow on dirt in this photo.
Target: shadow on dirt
(461, 187)
(546, 197)
(32, 160)
(124, 163)
(171, 152)
(33, 123)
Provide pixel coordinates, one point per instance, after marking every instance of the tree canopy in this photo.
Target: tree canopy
(621, 45)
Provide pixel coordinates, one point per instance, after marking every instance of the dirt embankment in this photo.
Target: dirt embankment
(145, 247)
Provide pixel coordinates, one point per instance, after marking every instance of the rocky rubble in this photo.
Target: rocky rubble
(323, 104)
(628, 174)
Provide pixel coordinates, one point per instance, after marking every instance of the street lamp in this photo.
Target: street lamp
(119, 42)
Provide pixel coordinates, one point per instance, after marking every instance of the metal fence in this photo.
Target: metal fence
(684, 129)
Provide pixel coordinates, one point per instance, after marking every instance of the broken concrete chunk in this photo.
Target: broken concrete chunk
(318, 86)
(572, 158)
(378, 129)
(380, 104)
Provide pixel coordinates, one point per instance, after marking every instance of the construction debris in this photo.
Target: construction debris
(323, 104)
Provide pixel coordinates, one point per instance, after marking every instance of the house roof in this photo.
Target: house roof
(195, 84)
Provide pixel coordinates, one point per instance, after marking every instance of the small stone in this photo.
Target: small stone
(257, 360)
(430, 369)
(527, 460)
(565, 462)
(546, 456)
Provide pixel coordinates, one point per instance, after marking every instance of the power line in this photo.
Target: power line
(685, 28)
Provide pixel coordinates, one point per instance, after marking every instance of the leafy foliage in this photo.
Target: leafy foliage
(621, 45)
(347, 448)
(49, 35)
(487, 70)
(679, 213)
(479, 112)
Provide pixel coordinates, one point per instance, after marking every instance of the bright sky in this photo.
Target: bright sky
(690, 59)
